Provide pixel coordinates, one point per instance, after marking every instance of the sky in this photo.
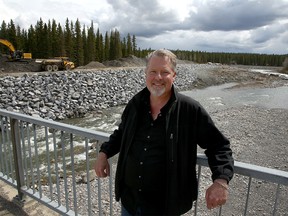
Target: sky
(238, 26)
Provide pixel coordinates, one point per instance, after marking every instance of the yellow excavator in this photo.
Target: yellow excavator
(15, 55)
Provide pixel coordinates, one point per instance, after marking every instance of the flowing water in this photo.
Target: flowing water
(212, 98)
(224, 96)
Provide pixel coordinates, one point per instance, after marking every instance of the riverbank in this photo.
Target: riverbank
(73, 94)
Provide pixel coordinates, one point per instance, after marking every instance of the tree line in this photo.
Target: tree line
(232, 58)
(84, 44)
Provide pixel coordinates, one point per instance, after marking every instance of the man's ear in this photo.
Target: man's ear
(174, 75)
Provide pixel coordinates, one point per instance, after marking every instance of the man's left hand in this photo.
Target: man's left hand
(217, 194)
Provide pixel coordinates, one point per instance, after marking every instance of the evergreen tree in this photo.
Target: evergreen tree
(61, 40)
(3, 35)
(118, 49)
(32, 42)
(11, 33)
(112, 52)
(78, 46)
(46, 42)
(24, 41)
(3, 30)
(91, 48)
(55, 40)
(124, 47)
(101, 49)
(19, 40)
(49, 48)
(115, 45)
(68, 38)
(134, 45)
(98, 46)
(106, 47)
(41, 41)
(85, 47)
(129, 45)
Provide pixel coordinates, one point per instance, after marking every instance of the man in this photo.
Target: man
(157, 145)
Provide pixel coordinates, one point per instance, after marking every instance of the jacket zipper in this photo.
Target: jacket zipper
(171, 135)
(172, 152)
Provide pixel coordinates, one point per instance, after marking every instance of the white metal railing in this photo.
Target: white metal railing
(45, 160)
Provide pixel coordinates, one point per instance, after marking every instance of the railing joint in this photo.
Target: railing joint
(19, 201)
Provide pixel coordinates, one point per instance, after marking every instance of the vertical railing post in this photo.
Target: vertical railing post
(19, 171)
(196, 201)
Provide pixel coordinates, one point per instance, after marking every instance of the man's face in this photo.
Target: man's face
(159, 76)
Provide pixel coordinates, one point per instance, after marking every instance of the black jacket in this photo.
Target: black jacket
(187, 124)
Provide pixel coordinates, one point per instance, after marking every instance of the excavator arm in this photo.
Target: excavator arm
(8, 44)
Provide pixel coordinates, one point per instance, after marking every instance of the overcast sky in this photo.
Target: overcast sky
(253, 26)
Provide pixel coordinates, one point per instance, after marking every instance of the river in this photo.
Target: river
(212, 98)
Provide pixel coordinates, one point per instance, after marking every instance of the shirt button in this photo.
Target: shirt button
(141, 163)
(140, 190)
(145, 149)
(139, 177)
(148, 137)
(152, 124)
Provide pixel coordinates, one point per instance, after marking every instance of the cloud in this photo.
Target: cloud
(142, 18)
(266, 33)
(234, 15)
(26, 13)
(207, 25)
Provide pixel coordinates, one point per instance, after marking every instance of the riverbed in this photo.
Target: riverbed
(212, 99)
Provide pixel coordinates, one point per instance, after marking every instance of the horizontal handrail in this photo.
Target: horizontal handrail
(101, 136)
(253, 171)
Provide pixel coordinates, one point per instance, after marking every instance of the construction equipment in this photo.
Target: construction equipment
(55, 64)
(15, 55)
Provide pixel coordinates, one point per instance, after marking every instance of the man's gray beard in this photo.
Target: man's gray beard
(157, 92)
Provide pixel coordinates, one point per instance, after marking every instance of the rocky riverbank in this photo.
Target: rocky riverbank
(65, 94)
(72, 94)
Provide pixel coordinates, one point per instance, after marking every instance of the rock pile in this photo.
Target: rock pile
(130, 61)
(65, 94)
(91, 65)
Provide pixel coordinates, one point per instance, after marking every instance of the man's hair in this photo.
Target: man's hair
(163, 53)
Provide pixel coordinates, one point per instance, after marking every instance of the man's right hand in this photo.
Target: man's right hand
(101, 167)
